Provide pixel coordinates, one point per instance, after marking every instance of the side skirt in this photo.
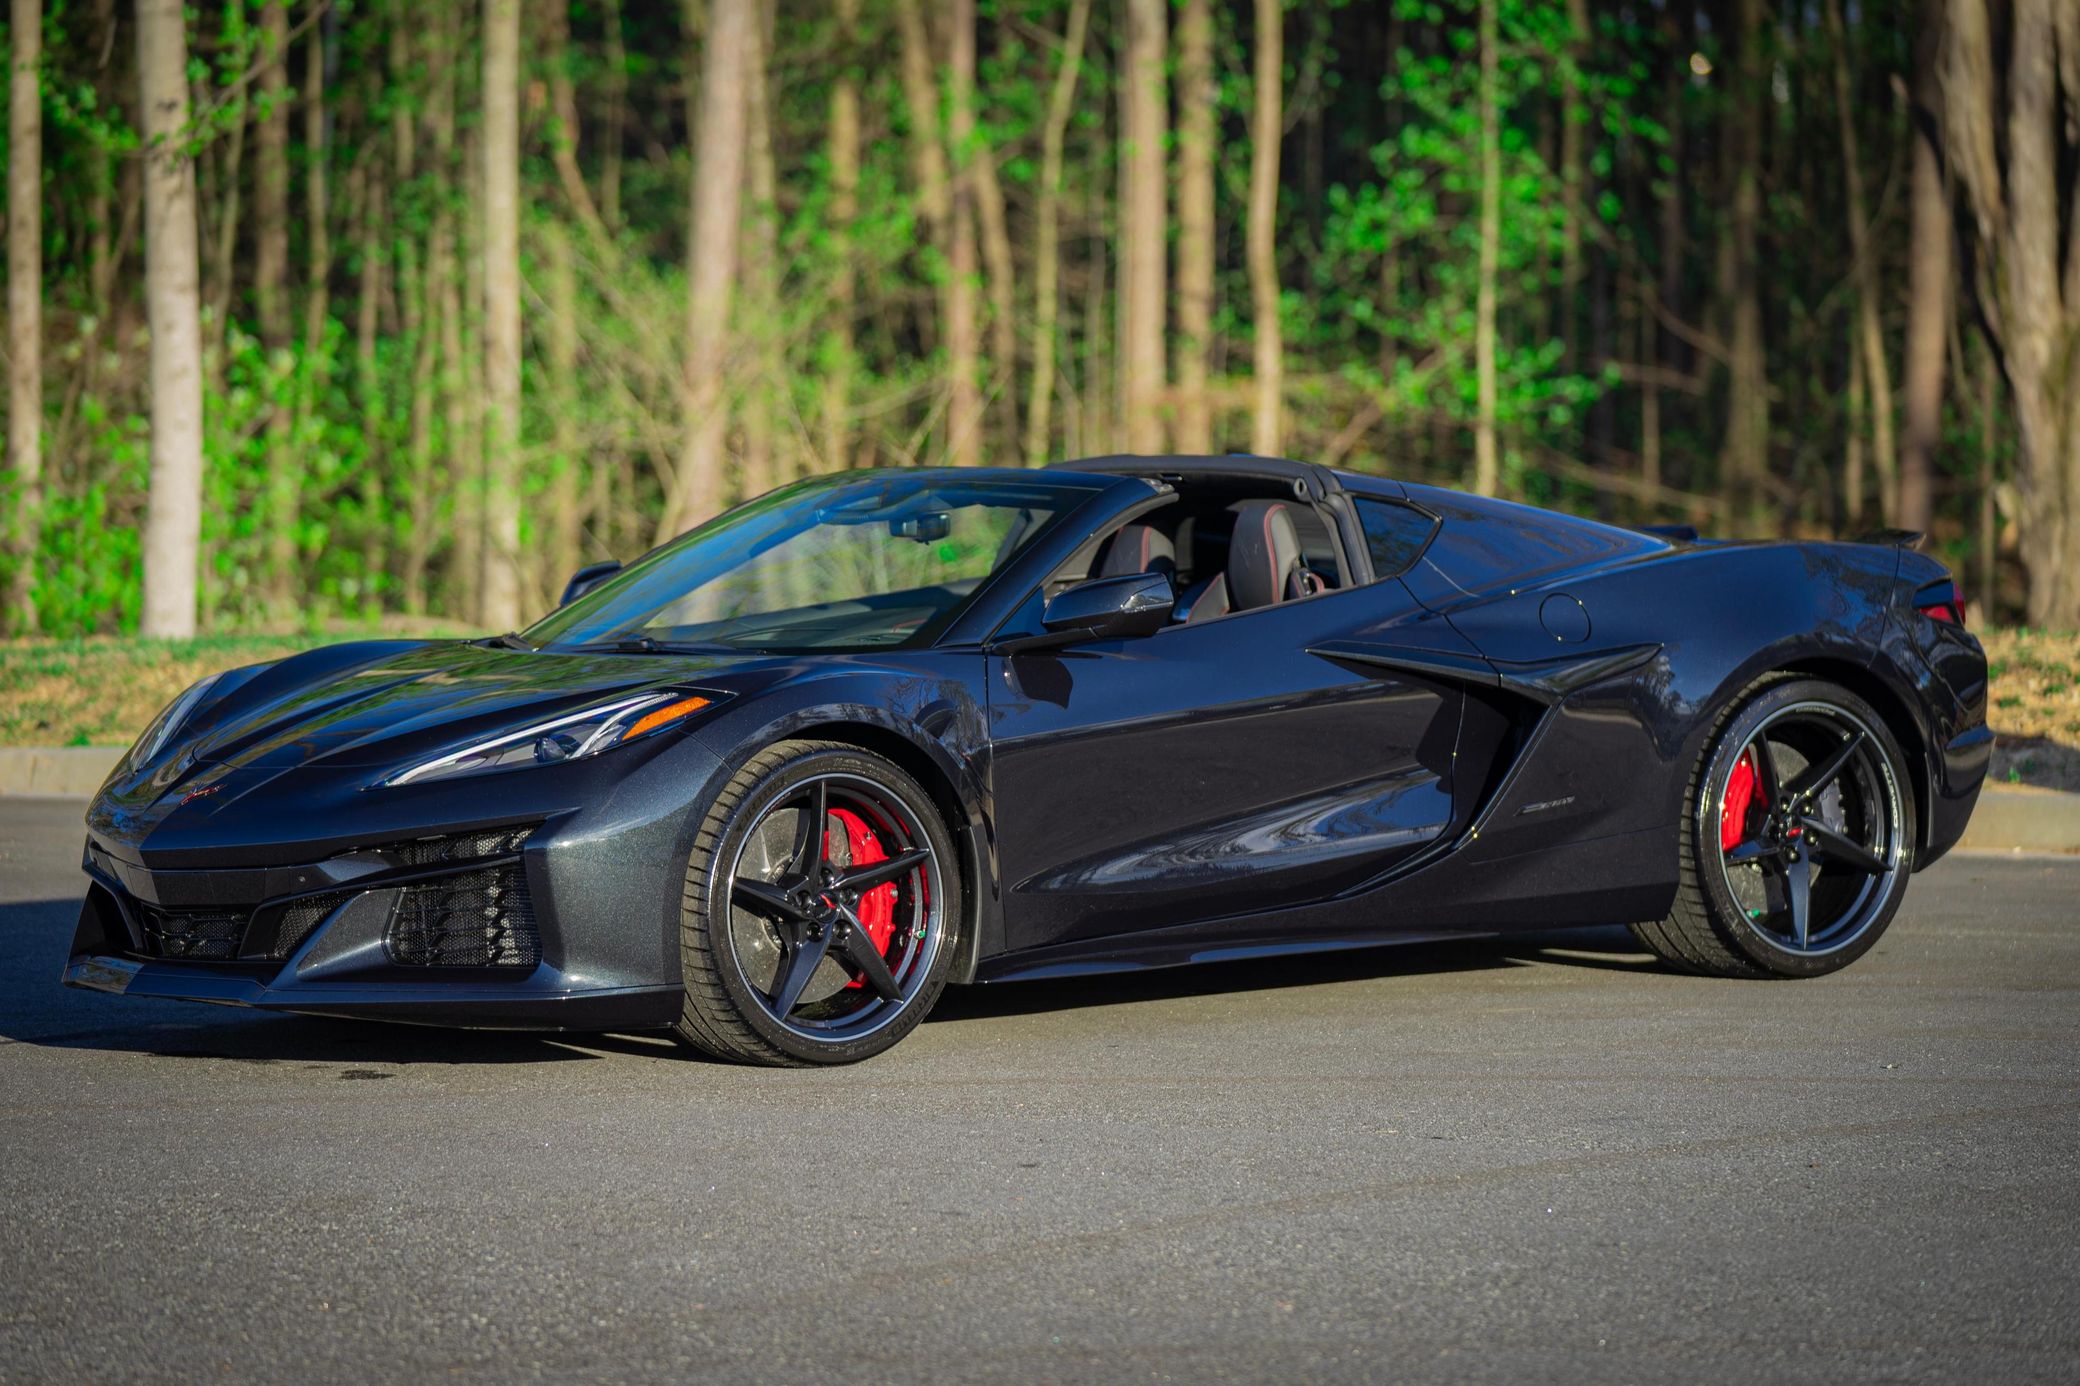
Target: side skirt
(1179, 948)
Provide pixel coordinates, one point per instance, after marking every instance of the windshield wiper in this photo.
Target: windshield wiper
(509, 641)
(644, 644)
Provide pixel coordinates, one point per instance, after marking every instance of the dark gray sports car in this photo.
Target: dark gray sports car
(778, 782)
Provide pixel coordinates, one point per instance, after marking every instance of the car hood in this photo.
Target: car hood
(376, 706)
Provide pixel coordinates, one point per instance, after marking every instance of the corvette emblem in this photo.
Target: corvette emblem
(202, 793)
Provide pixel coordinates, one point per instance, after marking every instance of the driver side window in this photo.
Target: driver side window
(1224, 549)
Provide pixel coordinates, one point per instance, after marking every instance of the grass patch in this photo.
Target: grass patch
(100, 691)
(2035, 707)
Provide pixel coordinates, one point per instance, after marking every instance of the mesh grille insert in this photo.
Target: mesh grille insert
(205, 935)
(299, 919)
(476, 919)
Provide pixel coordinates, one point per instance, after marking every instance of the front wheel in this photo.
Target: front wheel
(1798, 838)
(822, 900)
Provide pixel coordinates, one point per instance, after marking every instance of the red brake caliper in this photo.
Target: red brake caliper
(877, 908)
(1740, 793)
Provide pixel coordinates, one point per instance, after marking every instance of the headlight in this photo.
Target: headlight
(169, 721)
(570, 737)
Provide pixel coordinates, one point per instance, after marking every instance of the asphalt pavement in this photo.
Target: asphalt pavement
(1535, 1159)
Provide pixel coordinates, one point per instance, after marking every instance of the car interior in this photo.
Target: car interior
(1227, 544)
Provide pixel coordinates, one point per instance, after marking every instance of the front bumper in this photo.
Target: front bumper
(562, 916)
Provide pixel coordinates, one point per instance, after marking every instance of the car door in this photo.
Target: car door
(1212, 769)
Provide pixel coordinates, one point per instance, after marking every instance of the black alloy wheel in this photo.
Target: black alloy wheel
(1799, 840)
(822, 903)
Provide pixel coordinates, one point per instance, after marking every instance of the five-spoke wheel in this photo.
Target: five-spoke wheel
(826, 907)
(1800, 838)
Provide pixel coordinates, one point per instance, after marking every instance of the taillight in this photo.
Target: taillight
(1942, 601)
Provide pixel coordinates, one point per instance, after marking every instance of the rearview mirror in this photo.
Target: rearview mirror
(1113, 608)
(924, 529)
(587, 578)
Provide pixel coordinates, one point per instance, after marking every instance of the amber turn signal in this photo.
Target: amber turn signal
(670, 712)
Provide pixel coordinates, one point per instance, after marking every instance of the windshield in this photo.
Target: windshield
(862, 560)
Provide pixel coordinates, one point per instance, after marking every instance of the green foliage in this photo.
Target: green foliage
(363, 452)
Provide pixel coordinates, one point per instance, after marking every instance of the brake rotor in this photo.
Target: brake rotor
(848, 842)
(757, 939)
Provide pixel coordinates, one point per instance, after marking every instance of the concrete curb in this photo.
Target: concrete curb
(66, 772)
(2010, 818)
(2020, 818)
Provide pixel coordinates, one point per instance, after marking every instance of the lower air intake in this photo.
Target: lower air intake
(206, 936)
(477, 919)
(299, 919)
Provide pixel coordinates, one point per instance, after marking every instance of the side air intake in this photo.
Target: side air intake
(475, 919)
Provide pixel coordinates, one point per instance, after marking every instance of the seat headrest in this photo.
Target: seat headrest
(1138, 548)
(1263, 554)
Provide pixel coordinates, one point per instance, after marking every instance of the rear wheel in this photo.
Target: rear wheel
(822, 897)
(1797, 840)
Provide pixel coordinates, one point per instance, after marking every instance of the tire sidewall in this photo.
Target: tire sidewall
(1752, 942)
(771, 785)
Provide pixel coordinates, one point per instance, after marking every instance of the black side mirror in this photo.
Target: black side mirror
(587, 578)
(1114, 608)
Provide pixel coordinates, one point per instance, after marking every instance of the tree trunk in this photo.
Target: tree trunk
(461, 404)
(1389, 305)
(1574, 115)
(1747, 426)
(1000, 266)
(502, 313)
(562, 343)
(101, 230)
(843, 139)
(563, 105)
(1267, 126)
(317, 304)
(1870, 329)
(921, 104)
(1143, 225)
(1650, 394)
(271, 181)
(718, 187)
(285, 490)
(270, 290)
(1047, 252)
(1196, 131)
(173, 522)
(617, 114)
(1989, 483)
(422, 307)
(963, 341)
(758, 320)
(1928, 283)
(1852, 447)
(376, 459)
(2032, 315)
(228, 161)
(1487, 468)
(1673, 351)
(25, 308)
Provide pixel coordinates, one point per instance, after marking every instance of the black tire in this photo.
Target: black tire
(745, 921)
(1831, 804)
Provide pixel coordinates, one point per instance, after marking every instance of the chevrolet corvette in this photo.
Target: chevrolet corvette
(776, 784)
